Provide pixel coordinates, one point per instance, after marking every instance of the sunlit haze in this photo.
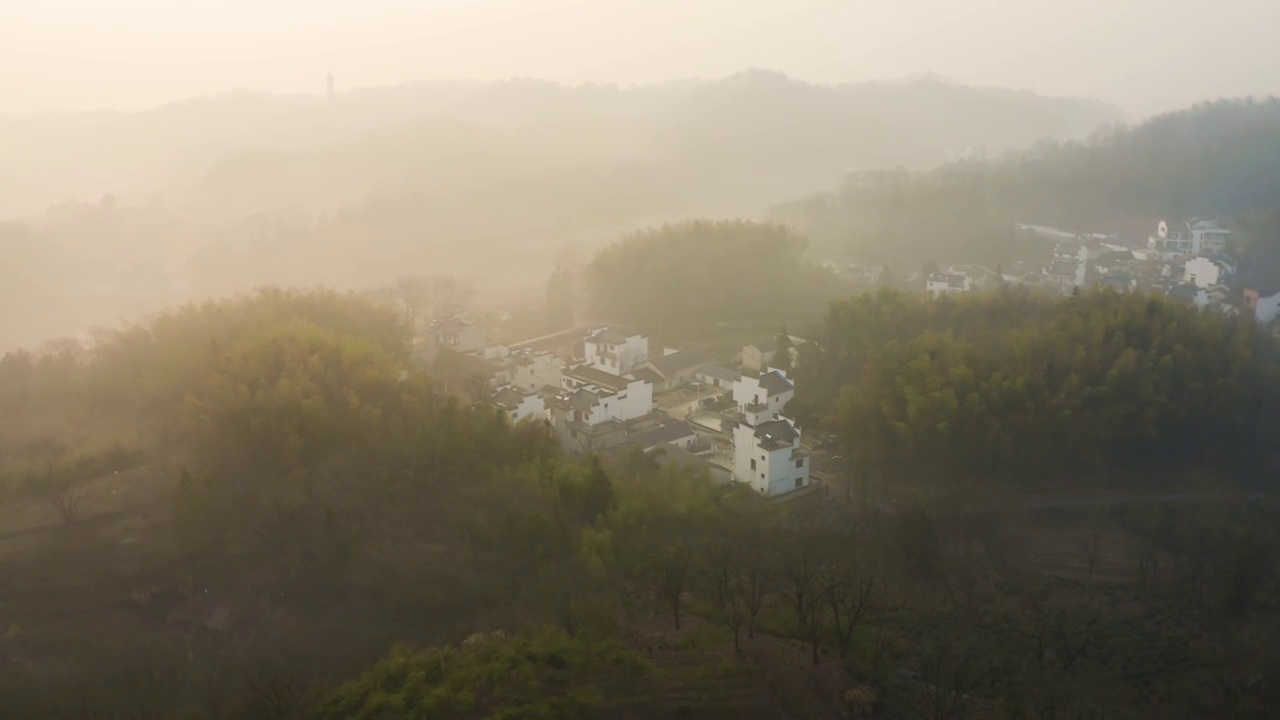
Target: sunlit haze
(1144, 55)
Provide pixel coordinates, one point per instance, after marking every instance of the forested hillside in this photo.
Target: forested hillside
(682, 281)
(1011, 387)
(245, 504)
(1218, 160)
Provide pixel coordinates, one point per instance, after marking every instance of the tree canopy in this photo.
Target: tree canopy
(684, 279)
(1219, 160)
(1013, 386)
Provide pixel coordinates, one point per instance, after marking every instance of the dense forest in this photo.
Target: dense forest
(258, 508)
(1013, 387)
(1219, 160)
(685, 280)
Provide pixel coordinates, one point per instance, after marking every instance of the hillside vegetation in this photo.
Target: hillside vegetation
(1012, 387)
(245, 504)
(1218, 160)
(685, 280)
(215, 196)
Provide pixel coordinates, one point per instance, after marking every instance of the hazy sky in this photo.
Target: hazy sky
(129, 54)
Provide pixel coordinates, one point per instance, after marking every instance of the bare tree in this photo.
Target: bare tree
(1056, 632)
(48, 451)
(67, 502)
(938, 691)
(855, 594)
(756, 578)
(1034, 622)
(1074, 632)
(1148, 565)
(411, 296)
(450, 297)
(725, 583)
(799, 573)
(964, 581)
(670, 575)
(1090, 547)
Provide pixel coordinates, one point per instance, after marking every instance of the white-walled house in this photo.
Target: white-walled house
(718, 376)
(614, 352)
(758, 356)
(675, 368)
(459, 335)
(770, 391)
(531, 370)
(1190, 293)
(946, 283)
(520, 405)
(679, 434)
(1201, 271)
(1264, 304)
(596, 410)
(767, 455)
(1199, 236)
(600, 396)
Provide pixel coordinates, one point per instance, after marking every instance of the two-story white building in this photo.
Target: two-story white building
(530, 370)
(1201, 272)
(459, 335)
(947, 283)
(1198, 237)
(520, 405)
(770, 391)
(767, 454)
(601, 396)
(614, 352)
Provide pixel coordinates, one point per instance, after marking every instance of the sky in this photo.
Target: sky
(1144, 55)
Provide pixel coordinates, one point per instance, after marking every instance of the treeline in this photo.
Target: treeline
(681, 281)
(1219, 160)
(319, 506)
(1014, 387)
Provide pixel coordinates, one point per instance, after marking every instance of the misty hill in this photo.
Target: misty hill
(210, 196)
(1219, 160)
(755, 120)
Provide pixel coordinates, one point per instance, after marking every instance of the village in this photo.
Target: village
(1195, 262)
(607, 391)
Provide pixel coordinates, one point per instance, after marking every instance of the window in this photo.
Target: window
(761, 476)
(753, 463)
(761, 458)
(800, 463)
(799, 482)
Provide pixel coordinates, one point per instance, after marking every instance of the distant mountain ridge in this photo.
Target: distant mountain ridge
(821, 129)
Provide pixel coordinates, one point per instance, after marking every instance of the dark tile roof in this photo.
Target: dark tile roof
(720, 372)
(765, 346)
(1113, 259)
(452, 325)
(661, 434)
(584, 400)
(774, 384)
(1063, 268)
(647, 375)
(607, 336)
(1122, 282)
(666, 454)
(776, 433)
(508, 398)
(948, 278)
(677, 361)
(1184, 292)
(595, 376)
